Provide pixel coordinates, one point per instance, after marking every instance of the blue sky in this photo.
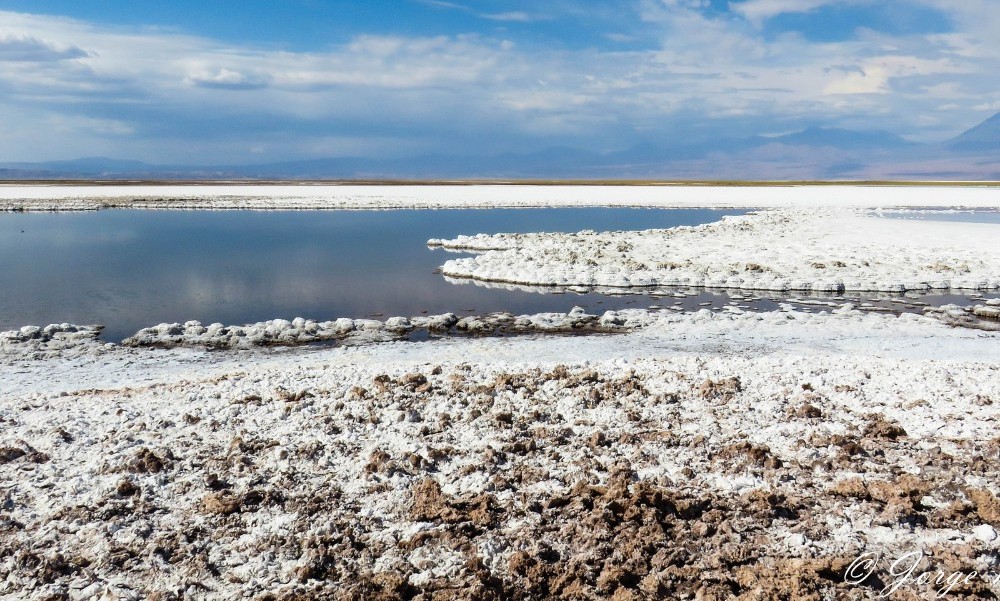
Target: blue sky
(226, 81)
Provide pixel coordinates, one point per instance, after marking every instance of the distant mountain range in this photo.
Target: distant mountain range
(813, 153)
(985, 136)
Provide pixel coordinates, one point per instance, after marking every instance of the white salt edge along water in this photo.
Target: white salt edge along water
(645, 334)
(366, 331)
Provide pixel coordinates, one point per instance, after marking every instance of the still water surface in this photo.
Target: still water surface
(128, 269)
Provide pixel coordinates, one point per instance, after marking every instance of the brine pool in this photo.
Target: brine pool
(129, 269)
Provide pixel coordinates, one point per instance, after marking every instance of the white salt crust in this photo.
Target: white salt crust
(305, 196)
(813, 250)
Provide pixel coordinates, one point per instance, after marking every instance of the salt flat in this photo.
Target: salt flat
(693, 455)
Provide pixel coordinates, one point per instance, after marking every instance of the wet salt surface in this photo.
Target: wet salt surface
(952, 215)
(131, 269)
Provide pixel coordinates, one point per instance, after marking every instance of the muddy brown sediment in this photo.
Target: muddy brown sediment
(461, 482)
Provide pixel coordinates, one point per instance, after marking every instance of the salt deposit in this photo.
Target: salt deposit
(813, 250)
(486, 466)
(281, 332)
(305, 196)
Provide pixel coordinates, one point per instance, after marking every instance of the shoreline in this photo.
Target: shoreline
(301, 332)
(18, 198)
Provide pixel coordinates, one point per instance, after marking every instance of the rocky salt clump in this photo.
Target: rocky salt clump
(990, 310)
(274, 332)
(35, 342)
(981, 317)
(65, 332)
(280, 332)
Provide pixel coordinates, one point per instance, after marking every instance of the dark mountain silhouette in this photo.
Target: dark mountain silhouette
(985, 136)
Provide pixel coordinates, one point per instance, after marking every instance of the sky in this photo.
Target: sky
(254, 81)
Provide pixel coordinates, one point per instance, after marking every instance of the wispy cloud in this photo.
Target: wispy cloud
(25, 48)
(509, 16)
(758, 11)
(442, 4)
(517, 16)
(873, 80)
(225, 79)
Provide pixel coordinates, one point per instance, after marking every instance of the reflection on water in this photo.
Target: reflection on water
(131, 269)
(128, 269)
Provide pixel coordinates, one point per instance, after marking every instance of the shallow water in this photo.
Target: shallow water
(128, 269)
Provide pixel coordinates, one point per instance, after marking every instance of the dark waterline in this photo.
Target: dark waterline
(128, 269)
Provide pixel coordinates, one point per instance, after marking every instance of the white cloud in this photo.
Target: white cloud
(976, 21)
(873, 80)
(445, 93)
(901, 70)
(757, 11)
(226, 79)
(25, 48)
(442, 4)
(874, 75)
(510, 16)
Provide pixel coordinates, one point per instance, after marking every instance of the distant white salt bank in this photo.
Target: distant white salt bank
(305, 196)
